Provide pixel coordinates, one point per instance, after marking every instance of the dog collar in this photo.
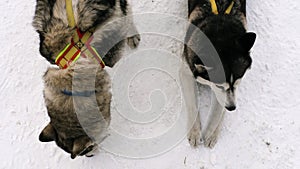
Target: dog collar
(79, 45)
(79, 94)
(214, 7)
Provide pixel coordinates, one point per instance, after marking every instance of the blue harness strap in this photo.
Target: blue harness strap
(80, 94)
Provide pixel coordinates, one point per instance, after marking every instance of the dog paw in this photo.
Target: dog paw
(90, 155)
(133, 41)
(194, 138)
(211, 141)
(93, 152)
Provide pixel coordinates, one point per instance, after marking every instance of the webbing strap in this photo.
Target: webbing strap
(80, 43)
(214, 7)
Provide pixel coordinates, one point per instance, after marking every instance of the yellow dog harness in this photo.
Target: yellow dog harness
(214, 7)
(79, 46)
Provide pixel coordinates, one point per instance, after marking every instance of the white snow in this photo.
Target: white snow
(264, 132)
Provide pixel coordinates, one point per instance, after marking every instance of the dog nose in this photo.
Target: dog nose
(231, 108)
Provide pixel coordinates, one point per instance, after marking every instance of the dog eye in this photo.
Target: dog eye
(220, 87)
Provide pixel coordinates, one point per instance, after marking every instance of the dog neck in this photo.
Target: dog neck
(214, 7)
(79, 45)
(79, 94)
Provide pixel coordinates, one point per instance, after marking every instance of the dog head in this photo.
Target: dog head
(232, 44)
(79, 146)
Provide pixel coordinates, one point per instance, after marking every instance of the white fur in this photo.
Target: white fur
(223, 97)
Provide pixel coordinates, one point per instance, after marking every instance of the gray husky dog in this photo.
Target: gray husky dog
(89, 95)
(223, 24)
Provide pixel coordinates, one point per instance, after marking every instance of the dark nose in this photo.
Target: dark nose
(230, 108)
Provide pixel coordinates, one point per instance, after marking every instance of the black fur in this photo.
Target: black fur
(216, 45)
(123, 4)
(227, 34)
(43, 51)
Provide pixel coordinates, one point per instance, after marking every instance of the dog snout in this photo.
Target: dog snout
(231, 108)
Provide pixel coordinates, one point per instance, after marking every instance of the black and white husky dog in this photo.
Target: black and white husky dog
(223, 24)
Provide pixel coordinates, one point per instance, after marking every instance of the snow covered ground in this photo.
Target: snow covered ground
(264, 132)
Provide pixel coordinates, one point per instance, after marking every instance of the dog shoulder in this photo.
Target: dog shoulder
(53, 78)
(43, 12)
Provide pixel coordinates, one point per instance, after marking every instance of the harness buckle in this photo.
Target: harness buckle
(79, 45)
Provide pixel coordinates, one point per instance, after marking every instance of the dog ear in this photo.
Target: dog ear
(81, 146)
(201, 68)
(48, 134)
(43, 14)
(247, 40)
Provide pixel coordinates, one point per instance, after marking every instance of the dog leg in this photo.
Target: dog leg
(189, 89)
(212, 140)
(212, 130)
(133, 36)
(133, 41)
(194, 135)
(93, 152)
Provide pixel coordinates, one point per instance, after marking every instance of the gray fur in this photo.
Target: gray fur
(50, 21)
(67, 130)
